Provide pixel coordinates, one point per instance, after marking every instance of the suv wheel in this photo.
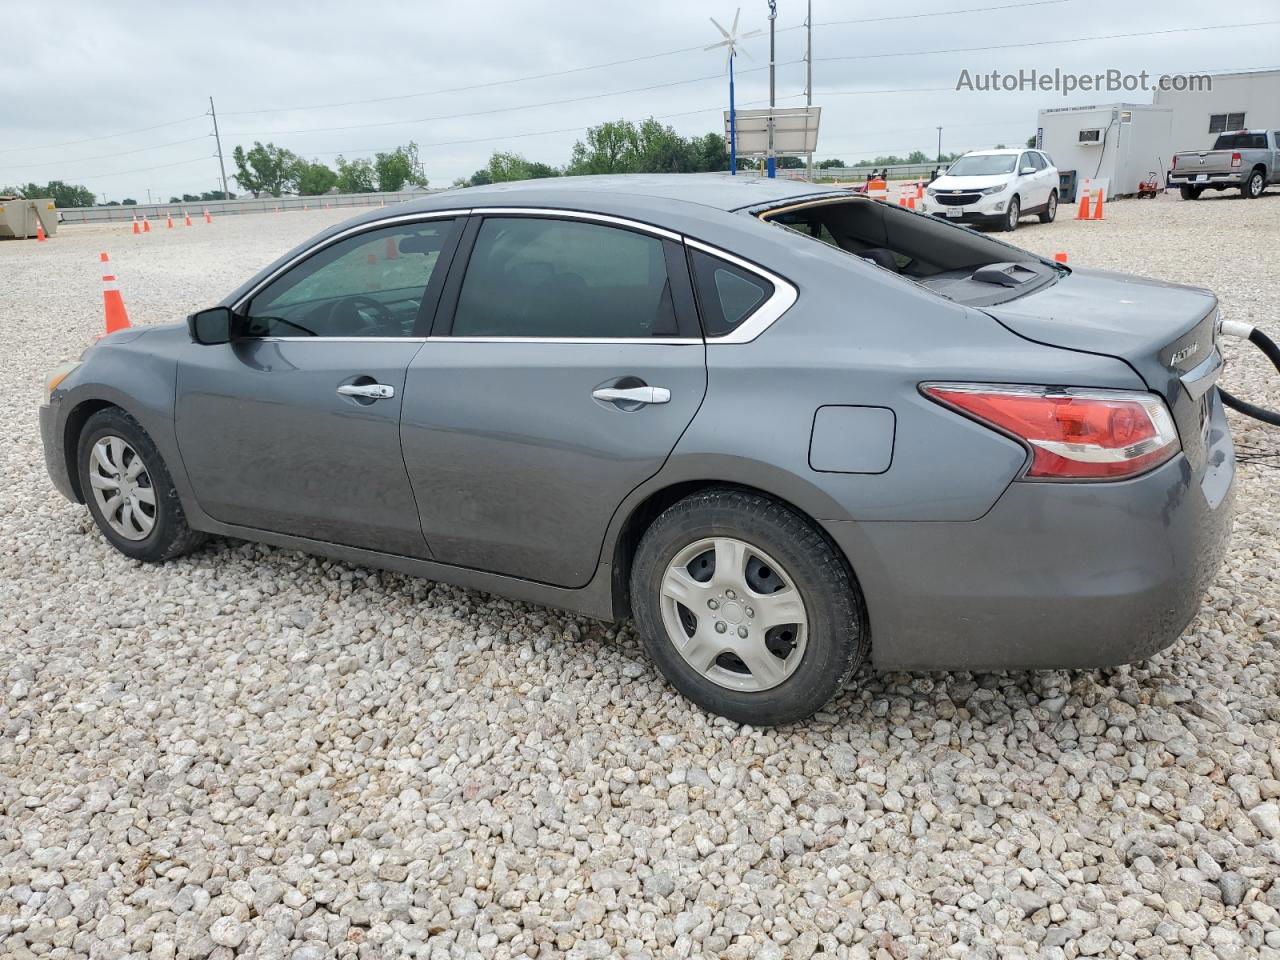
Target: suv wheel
(746, 608)
(1051, 209)
(1189, 193)
(128, 490)
(1011, 216)
(1254, 186)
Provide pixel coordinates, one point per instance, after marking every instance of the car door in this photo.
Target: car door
(294, 426)
(564, 365)
(1029, 185)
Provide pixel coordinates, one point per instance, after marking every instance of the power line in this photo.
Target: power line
(106, 156)
(619, 63)
(507, 109)
(1046, 43)
(162, 166)
(105, 136)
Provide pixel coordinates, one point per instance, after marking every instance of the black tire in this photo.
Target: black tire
(1189, 193)
(170, 535)
(837, 637)
(1011, 215)
(1050, 212)
(1253, 187)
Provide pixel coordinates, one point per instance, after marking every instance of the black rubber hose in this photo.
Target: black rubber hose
(1267, 346)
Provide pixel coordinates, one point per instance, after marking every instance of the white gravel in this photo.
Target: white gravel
(253, 753)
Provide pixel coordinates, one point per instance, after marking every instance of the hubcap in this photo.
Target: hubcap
(1053, 205)
(734, 614)
(1013, 214)
(122, 488)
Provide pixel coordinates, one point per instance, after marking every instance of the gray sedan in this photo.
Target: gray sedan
(785, 428)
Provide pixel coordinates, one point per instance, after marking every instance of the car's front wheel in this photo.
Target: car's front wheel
(128, 489)
(1051, 208)
(746, 607)
(1011, 215)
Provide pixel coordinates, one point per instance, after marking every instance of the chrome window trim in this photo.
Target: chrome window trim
(336, 339)
(559, 214)
(654, 341)
(366, 227)
(783, 298)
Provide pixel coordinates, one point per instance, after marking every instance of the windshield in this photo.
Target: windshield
(982, 165)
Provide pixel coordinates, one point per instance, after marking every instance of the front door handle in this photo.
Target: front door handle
(367, 391)
(632, 394)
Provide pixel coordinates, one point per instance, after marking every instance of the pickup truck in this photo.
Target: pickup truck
(1245, 159)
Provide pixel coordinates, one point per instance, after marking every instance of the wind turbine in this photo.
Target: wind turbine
(730, 42)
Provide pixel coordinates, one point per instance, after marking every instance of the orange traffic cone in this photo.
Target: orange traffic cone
(186, 218)
(40, 237)
(1097, 207)
(1060, 257)
(169, 220)
(117, 318)
(207, 218)
(393, 248)
(1083, 212)
(136, 229)
(911, 201)
(146, 225)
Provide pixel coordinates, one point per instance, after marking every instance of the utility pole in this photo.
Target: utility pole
(773, 16)
(218, 140)
(939, 144)
(808, 68)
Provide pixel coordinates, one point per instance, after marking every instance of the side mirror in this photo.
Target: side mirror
(215, 325)
(1027, 171)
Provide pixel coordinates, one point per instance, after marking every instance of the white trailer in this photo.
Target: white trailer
(1122, 143)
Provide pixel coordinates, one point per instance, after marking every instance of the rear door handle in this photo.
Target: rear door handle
(369, 391)
(632, 394)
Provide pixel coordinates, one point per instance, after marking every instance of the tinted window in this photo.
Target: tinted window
(369, 285)
(532, 277)
(1240, 141)
(727, 294)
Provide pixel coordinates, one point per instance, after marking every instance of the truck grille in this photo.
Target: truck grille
(957, 199)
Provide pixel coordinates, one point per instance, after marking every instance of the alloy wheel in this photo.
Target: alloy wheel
(1014, 210)
(122, 488)
(734, 614)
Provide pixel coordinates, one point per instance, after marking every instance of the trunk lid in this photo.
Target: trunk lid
(1165, 332)
(1204, 161)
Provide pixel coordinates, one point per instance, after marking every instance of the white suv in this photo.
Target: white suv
(996, 187)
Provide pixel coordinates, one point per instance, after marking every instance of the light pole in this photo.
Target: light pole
(939, 144)
(773, 16)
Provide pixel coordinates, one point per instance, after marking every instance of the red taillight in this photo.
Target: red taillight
(1073, 434)
(1235, 159)
(1175, 162)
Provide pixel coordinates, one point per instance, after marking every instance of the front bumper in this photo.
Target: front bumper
(1055, 575)
(985, 210)
(55, 460)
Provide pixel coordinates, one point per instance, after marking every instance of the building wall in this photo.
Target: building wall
(1257, 95)
(1137, 142)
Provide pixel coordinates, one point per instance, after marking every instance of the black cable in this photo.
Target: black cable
(1267, 346)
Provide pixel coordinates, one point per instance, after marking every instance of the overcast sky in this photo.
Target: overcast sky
(103, 70)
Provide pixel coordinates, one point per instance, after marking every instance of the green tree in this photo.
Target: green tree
(610, 147)
(1031, 141)
(356, 176)
(217, 195)
(128, 202)
(830, 163)
(63, 194)
(710, 152)
(399, 167)
(265, 169)
(315, 178)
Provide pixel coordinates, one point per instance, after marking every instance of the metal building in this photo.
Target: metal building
(1237, 101)
(1122, 143)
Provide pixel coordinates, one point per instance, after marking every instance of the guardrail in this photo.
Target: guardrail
(217, 208)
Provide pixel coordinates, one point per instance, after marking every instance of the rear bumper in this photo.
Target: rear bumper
(1234, 179)
(1056, 575)
(54, 461)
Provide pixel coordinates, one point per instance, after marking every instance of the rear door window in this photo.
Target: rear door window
(540, 277)
(727, 294)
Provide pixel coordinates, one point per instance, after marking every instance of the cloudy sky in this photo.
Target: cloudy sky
(116, 96)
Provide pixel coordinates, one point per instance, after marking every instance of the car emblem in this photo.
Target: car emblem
(957, 191)
(1182, 354)
(1201, 159)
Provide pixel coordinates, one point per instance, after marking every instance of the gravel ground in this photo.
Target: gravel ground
(254, 753)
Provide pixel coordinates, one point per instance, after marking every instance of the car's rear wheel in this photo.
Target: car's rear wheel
(1254, 186)
(1011, 215)
(1051, 208)
(129, 491)
(1189, 193)
(746, 607)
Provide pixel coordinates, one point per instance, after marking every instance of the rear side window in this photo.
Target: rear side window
(727, 294)
(535, 277)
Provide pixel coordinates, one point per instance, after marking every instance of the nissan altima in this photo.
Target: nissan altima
(785, 428)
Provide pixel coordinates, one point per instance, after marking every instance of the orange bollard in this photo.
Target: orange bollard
(207, 218)
(40, 237)
(1060, 257)
(186, 217)
(1083, 212)
(136, 229)
(1097, 208)
(146, 225)
(169, 221)
(116, 317)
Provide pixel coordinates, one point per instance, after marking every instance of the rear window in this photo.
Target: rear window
(727, 294)
(1240, 141)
